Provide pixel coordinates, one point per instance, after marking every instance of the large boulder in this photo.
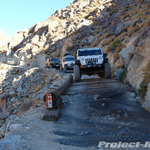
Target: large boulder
(137, 64)
(90, 39)
(16, 40)
(39, 61)
(125, 54)
(116, 29)
(118, 73)
(3, 57)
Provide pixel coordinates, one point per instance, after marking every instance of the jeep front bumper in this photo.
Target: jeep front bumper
(91, 66)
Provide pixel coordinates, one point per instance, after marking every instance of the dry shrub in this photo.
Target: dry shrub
(104, 43)
(140, 14)
(132, 30)
(123, 17)
(115, 56)
(124, 44)
(110, 39)
(119, 47)
(109, 48)
(147, 23)
(112, 12)
(115, 42)
(125, 28)
(131, 55)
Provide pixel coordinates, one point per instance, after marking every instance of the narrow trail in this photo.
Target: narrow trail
(94, 110)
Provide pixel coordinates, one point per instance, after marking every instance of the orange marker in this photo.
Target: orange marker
(48, 100)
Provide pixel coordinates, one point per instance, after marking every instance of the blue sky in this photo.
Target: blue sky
(16, 15)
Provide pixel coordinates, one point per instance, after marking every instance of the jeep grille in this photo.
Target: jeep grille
(91, 60)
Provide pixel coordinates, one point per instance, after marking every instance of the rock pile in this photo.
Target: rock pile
(25, 89)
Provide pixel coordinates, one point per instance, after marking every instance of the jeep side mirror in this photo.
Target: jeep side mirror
(104, 54)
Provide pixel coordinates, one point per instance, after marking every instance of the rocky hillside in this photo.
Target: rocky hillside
(120, 27)
(4, 40)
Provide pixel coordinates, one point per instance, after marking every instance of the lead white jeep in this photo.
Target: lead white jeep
(91, 61)
(67, 63)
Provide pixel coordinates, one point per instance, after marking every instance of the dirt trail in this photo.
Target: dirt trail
(94, 110)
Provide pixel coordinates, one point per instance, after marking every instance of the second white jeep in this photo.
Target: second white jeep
(67, 63)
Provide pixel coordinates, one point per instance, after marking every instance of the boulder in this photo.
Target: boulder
(16, 40)
(3, 57)
(35, 39)
(39, 61)
(146, 105)
(116, 29)
(15, 126)
(35, 50)
(90, 39)
(118, 73)
(125, 54)
(137, 64)
(40, 44)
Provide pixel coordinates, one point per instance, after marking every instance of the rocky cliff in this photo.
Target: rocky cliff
(4, 40)
(120, 27)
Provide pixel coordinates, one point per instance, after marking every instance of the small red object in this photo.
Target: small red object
(48, 100)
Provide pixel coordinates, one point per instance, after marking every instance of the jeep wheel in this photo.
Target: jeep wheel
(77, 76)
(65, 69)
(107, 70)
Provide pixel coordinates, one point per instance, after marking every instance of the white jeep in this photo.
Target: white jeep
(91, 61)
(67, 63)
(10, 61)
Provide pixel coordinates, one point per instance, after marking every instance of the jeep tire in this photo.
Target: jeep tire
(65, 69)
(77, 75)
(107, 70)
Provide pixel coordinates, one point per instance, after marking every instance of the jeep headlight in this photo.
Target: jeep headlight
(100, 58)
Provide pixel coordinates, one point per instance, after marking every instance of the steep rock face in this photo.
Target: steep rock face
(16, 41)
(4, 40)
(137, 64)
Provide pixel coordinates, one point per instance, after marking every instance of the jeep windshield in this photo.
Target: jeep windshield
(55, 59)
(89, 52)
(70, 59)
